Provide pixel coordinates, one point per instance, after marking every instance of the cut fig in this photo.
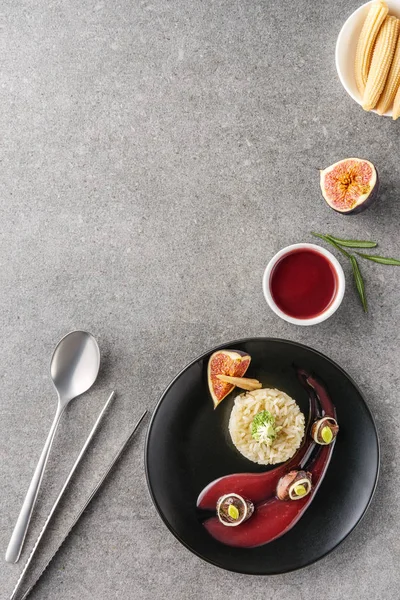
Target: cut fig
(225, 362)
(350, 185)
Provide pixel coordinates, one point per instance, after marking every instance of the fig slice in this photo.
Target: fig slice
(225, 362)
(350, 185)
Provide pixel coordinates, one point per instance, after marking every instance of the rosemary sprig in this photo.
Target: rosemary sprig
(353, 243)
(383, 260)
(359, 282)
(330, 241)
(338, 243)
(360, 286)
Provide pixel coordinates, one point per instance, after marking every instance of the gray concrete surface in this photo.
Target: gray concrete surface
(154, 155)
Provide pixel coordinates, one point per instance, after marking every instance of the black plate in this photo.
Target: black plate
(188, 446)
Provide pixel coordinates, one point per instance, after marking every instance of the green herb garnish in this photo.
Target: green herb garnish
(353, 243)
(359, 281)
(383, 260)
(338, 243)
(263, 427)
(330, 241)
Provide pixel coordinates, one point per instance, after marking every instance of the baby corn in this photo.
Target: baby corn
(241, 382)
(391, 85)
(369, 32)
(396, 105)
(381, 61)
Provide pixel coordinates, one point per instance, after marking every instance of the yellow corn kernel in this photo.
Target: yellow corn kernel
(396, 105)
(392, 83)
(366, 41)
(381, 61)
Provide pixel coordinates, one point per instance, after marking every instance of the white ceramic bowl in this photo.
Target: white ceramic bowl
(346, 46)
(330, 309)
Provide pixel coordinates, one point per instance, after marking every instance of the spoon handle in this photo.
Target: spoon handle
(21, 527)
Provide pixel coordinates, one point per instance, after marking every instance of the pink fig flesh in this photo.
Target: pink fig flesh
(350, 185)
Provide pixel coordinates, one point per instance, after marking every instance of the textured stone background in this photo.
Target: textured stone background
(154, 155)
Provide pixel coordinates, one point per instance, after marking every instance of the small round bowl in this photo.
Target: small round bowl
(331, 308)
(346, 46)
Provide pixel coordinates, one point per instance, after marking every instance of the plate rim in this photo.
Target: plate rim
(231, 344)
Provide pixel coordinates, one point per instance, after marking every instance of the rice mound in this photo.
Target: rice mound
(287, 415)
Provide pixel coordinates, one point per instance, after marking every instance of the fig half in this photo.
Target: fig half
(350, 185)
(225, 362)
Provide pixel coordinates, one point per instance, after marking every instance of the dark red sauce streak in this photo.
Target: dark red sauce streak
(303, 284)
(273, 518)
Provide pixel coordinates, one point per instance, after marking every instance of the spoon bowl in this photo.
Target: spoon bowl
(75, 365)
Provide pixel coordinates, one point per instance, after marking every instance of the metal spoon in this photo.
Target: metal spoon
(74, 368)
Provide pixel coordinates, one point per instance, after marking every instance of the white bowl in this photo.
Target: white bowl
(346, 46)
(328, 312)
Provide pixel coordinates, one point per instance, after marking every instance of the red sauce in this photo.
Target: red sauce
(303, 284)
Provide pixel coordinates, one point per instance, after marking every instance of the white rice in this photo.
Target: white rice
(287, 415)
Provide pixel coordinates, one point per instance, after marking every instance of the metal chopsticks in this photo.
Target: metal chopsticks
(84, 507)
